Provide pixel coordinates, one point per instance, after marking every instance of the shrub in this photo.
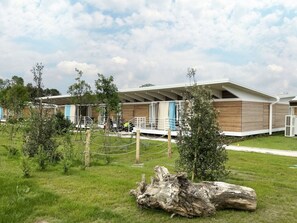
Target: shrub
(67, 153)
(12, 150)
(39, 136)
(62, 124)
(26, 166)
(39, 141)
(42, 158)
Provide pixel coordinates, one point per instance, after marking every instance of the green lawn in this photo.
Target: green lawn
(100, 193)
(275, 141)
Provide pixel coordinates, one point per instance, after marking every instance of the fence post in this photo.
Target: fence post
(87, 148)
(137, 145)
(169, 144)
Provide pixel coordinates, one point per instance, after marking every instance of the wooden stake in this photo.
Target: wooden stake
(137, 145)
(87, 148)
(169, 144)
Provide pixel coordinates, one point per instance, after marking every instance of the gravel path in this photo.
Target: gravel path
(277, 152)
(263, 150)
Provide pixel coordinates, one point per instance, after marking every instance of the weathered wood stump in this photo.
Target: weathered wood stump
(175, 194)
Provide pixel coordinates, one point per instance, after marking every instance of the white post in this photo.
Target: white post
(270, 115)
(137, 145)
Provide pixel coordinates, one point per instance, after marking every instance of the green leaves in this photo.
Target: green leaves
(200, 144)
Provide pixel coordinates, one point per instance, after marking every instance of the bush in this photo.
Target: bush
(39, 135)
(67, 153)
(39, 141)
(12, 150)
(62, 125)
(26, 166)
(42, 158)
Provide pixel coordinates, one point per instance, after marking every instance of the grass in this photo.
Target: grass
(100, 193)
(275, 141)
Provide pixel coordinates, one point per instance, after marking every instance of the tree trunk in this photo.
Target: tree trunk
(177, 195)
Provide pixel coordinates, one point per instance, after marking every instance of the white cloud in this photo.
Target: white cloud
(119, 60)
(68, 67)
(152, 41)
(275, 68)
(117, 6)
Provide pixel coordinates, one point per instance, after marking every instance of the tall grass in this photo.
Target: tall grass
(100, 193)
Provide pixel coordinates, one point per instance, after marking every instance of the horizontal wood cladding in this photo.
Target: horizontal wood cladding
(255, 116)
(245, 116)
(229, 115)
(131, 111)
(233, 116)
(127, 112)
(279, 113)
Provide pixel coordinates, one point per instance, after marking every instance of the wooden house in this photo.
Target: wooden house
(241, 110)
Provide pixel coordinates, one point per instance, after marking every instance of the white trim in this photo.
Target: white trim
(270, 114)
(248, 133)
(164, 87)
(246, 100)
(137, 103)
(57, 96)
(155, 131)
(240, 99)
(214, 100)
(227, 133)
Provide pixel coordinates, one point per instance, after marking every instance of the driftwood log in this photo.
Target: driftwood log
(175, 194)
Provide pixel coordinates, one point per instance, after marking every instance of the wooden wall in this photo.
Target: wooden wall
(233, 116)
(131, 111)
(246, 116)
(279, 113)
(255, 116)
(229, 115)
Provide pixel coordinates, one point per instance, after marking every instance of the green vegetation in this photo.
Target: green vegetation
(100, 193)
(276, 141)
(199, 142)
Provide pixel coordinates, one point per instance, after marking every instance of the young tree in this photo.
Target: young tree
(14, 96)
(107, 94)
(40, 130)
(37, 77)
(81, 92)
(200, 144)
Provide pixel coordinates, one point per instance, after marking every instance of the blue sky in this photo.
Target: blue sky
(137, 41)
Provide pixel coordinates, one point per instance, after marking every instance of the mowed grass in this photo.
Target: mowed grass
(275, 141)
(100, 193)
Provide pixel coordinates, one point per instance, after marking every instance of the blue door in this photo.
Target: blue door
(67, 111)
(172, 115)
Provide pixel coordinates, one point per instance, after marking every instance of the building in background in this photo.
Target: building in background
(242, 111)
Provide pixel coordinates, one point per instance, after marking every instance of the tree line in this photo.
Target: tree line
(15, 95)
(200, 143)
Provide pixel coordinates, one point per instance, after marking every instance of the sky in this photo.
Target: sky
(250, 42)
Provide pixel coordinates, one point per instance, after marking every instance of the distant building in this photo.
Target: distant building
(242, 110)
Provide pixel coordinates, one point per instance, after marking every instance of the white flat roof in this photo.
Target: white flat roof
(174, 92)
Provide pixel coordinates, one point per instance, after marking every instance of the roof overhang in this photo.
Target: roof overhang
(174, 92)
(293, 102)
